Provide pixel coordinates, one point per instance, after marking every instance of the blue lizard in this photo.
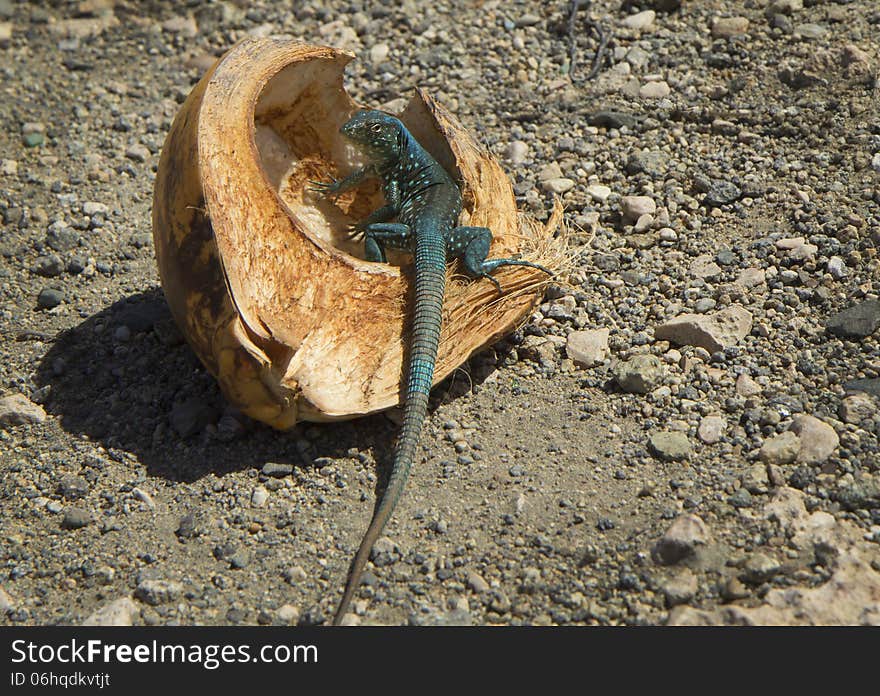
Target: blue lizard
(426, 203)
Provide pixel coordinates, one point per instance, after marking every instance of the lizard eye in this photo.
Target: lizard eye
(375, 127)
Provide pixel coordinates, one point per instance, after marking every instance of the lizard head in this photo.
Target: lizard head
(378, 134)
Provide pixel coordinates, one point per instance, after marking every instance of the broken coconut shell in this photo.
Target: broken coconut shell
(262, 276)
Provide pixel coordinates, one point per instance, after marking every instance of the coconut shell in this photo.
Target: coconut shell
(263, 277)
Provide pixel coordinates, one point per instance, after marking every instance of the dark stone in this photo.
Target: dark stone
(742, 498)
(605, 118)
(49, 266)
(240, 559)
(718, 191)
(73, 487)
(188, 528)
(862, 494)
(277, 470)
(726, 257)
(49, 298)
(61, 238)
(76, 518)
(858, 321)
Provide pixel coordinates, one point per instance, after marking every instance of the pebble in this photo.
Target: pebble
(119, 612)
(49, 298)
(92, 208)
(550, 171)
(295, 575)
(681, 541)
(17, 409)
(719, 192)
(680, 589)
(704, 267)
(809, 31)
(185, 26)
(654, 90)
(49, 266)
(639, 20)
(746, 386)
(259, 497)
(780, 449)
(379, 53)
(755, 479)
(670, 446)
(785, 7)
(640, 374)
(276, 469)
(517, 152)
(559, 185)
(72, 486)
(727, 27)
(155, 592)
(476, 582)
(836, 268)
(711, 429)
(288, 615)
(144, 497)
(858, 321)
(633, 207)
(187, 527)
(6, 603)
(714, 332)
(587, 348)
(138, 153)
(818, 439)
(76, 518)
(598, 192)
(751, 277)
(857, 408)
(759, 568)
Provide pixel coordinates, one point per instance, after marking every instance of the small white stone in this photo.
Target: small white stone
(633, 207)
(144, 497)
(558, 186)
(837, 268)
(639, 20)
(379, 53)
(598, 192)
(259, 497)
(288, 614)
(91, 208)
(711, 429)
(588, 348)
(550, 171)
(654, 90)
(517, 152)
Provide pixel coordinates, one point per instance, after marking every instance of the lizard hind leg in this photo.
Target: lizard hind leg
(471, 245)
(379, 235)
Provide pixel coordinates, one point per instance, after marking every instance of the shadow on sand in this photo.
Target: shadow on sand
(117, 377)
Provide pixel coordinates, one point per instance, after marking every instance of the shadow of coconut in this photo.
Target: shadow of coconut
(127, 380)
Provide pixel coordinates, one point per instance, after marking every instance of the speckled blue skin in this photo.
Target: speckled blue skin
(426, 203)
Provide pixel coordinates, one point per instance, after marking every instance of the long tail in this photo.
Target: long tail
(430, 284)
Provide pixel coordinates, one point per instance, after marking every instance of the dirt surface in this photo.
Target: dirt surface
(727, 473)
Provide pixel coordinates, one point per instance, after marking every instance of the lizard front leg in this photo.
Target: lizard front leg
(336, 186)
(387, 211)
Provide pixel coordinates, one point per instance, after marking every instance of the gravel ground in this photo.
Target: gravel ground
(686, 434)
